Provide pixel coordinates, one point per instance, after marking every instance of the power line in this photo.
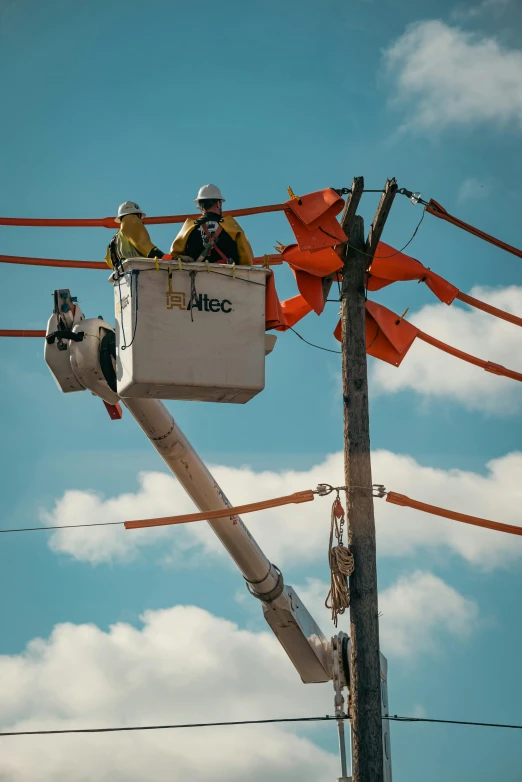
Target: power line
(319, 347)
(63, 526)
(395, 718)
(397, 252)
(370, 255)
(326, 718)
(167, 727)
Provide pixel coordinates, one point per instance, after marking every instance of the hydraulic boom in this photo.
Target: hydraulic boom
(81, 355)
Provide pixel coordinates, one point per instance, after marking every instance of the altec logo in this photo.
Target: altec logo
(201, 302)
(204, 304)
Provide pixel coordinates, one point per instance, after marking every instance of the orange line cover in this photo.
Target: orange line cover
(223, 513)
(108, 222)
(272, 260)
(402, 499)
(21, 333)
(438, 211)
(481, 305)
(488, 366)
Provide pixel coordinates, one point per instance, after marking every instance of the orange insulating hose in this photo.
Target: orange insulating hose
(21, 333)
(481, 305)
(273, 260)
(438, 211)
(401, 499)
(223, 513)
(53, 262)
(489, 366)
(108, 222)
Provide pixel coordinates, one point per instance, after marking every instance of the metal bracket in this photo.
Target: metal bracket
(324, 489)
(74, 336)
(415, 198)
(267, 597)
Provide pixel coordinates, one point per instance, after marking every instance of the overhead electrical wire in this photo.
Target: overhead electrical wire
(398, 252)
(290, 499)
(319, 347)
(63, 526)
(235, 723)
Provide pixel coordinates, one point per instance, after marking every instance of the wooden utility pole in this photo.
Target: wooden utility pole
(365, 683)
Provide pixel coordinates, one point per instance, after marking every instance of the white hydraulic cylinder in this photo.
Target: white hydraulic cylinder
(293, 625)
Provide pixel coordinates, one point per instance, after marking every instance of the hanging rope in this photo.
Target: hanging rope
(341, 564)
(133, 275)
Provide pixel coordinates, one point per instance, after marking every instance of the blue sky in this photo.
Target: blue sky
(105, 102)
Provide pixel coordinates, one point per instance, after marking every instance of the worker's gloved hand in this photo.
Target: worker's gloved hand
(184, 258)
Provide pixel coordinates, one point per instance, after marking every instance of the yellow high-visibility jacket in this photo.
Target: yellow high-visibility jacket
(229, 225)
(132, 241)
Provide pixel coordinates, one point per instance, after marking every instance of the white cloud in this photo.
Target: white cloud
(159, 495)
(432, 373)
(297, 535)
(417, 612)
(184, 665)
(496, 495)
(445, 76)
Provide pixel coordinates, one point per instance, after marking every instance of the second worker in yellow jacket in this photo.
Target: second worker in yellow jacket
(132, 240)
(212, 237)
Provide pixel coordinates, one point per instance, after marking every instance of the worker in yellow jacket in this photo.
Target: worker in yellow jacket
(212, 237)
(132, 240)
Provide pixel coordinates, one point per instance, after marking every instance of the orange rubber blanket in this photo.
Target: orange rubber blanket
(224, 513)
(389, 266)
(389, 337)
(402, 499)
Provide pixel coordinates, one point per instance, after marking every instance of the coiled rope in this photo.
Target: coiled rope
(341, 564)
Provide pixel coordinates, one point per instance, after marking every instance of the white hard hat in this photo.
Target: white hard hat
(128, 208)
(209, 192)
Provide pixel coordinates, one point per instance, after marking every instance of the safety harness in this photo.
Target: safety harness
(210, 244)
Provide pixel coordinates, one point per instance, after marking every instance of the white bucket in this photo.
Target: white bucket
(195, 334)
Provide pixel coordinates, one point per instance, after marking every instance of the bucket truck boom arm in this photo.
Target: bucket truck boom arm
(74, 360)
(301, 638)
